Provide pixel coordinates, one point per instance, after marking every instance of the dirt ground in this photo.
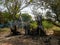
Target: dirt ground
(27, 40)
(30, 40)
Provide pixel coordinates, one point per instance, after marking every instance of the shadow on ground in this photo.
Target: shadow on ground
(30, 40)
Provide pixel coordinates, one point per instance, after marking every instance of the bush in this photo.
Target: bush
(47, 24)
(33, 24)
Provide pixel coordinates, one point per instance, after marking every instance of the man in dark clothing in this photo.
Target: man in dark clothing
(27, 29)
(40, 29)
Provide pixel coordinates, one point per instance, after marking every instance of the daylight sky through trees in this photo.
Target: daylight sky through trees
(28, 10)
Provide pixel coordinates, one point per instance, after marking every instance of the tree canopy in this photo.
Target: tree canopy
(52, 5)
(26, 17)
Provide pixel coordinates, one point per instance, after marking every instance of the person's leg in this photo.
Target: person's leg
(42, 32)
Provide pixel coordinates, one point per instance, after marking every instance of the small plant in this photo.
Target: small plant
(33, 24)
(47, 24)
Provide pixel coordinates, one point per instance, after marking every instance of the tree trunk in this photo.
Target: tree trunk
(14, 30)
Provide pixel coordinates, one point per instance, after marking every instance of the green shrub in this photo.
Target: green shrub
(33, 24)
(47, 24)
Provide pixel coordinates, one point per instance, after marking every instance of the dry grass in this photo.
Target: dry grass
(4, 31)
(53, 31)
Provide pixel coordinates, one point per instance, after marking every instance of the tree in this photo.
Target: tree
(51, 5)
(55, 6)
(26, 17)
(41, 6)
(1, 18)
(7, 16)
(13, 8)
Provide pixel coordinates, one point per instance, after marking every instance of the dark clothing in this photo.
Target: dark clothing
(27, 29)
(40, 29)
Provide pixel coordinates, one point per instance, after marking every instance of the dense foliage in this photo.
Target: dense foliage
(47, 24)
(26, 17)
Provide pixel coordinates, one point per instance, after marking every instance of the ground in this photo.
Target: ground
(27, 40)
